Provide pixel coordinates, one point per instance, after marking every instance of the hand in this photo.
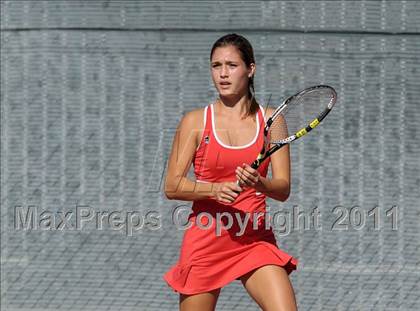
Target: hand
(247, 176)
(225, 192)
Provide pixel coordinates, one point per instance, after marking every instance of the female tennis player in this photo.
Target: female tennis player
(229, 237)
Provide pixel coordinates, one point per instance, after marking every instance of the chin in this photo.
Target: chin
(226, 93)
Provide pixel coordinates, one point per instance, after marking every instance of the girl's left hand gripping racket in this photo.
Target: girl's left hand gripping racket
(295, 117)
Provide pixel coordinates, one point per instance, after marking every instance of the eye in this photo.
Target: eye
(233, 65)
(215, 65)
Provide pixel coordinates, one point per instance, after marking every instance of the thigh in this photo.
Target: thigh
(203, 301)
(270, 287)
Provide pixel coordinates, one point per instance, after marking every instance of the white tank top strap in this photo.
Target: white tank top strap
(205, 117)
(213, 130)
(204, 127)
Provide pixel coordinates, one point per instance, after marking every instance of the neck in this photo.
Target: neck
(233, 107)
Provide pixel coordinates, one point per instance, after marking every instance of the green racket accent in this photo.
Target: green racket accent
(307, 129)
(314, 123)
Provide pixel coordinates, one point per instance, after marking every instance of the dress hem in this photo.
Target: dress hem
(289, 266)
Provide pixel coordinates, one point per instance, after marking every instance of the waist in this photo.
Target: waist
(247, 201)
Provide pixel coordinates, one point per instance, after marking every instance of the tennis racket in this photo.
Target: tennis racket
(295, 117)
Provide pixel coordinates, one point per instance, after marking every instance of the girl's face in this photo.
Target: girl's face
(229, 72)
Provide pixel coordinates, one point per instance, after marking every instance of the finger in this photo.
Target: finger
(246, 171)
(233, 186)
(241, 175)
(239, 170)
(224, 200)
(238, 186)
(232, 194)
(228, 199)
(240, 178)
(250, 183)
(248, 178)
(247, 166)
(229, 194)
(243, 180)
(250, 173)
(250, 170)
(246, 183)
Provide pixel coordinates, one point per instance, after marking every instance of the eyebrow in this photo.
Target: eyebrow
(227, 62)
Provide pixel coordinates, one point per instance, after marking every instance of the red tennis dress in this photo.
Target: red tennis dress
(217, 248)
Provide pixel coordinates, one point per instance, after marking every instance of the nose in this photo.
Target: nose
(224, 71)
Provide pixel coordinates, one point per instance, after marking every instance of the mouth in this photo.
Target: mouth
(225, 84)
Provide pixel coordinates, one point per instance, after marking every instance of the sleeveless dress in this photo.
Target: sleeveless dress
(215, 251)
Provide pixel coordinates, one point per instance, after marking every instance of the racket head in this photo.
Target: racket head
(299, 114)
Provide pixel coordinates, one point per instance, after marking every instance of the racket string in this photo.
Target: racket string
(298, 113)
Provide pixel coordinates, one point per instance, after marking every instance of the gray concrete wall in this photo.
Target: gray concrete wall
(91, 93)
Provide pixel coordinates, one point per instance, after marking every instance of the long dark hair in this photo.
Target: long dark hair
(247, 55)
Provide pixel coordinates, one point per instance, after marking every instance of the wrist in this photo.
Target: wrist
(214, 190)
(260, 184)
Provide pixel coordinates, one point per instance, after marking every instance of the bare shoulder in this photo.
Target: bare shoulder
(269, 112)
(193, 118)
(192, 124)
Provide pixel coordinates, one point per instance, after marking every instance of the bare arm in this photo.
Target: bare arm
(278, 187)
(177, 185)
